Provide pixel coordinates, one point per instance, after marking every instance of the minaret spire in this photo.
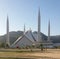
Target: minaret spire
(39, 26)
(7, 41)
(49, 31)
(24, 28)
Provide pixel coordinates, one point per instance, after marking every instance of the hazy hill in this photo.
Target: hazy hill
(14, 35)
(55, 39)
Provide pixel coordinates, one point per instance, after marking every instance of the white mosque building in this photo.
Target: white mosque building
(29, 38)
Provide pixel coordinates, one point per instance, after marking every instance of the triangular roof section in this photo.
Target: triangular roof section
(28, 35)
(16, 40)
(35, 36)
(23, 42)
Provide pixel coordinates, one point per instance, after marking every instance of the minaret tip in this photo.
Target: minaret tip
(30, 29)
(24, 29)
(49, 20)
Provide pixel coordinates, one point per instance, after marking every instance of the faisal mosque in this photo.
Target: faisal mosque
(29, 38)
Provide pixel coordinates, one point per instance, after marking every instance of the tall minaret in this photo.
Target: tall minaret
(49, 31)
(24, 28)
(39, 26)
(7, 41)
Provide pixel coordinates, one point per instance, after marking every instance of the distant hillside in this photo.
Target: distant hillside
(14, 35)
(55, 39)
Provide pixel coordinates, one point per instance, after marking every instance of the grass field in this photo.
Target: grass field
(29, 54)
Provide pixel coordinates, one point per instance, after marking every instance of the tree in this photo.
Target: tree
(41, 46)
(2, 45)
(7, 46)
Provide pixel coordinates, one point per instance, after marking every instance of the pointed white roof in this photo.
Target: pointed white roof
(28, 35)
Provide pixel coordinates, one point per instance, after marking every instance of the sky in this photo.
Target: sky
(22, 12)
